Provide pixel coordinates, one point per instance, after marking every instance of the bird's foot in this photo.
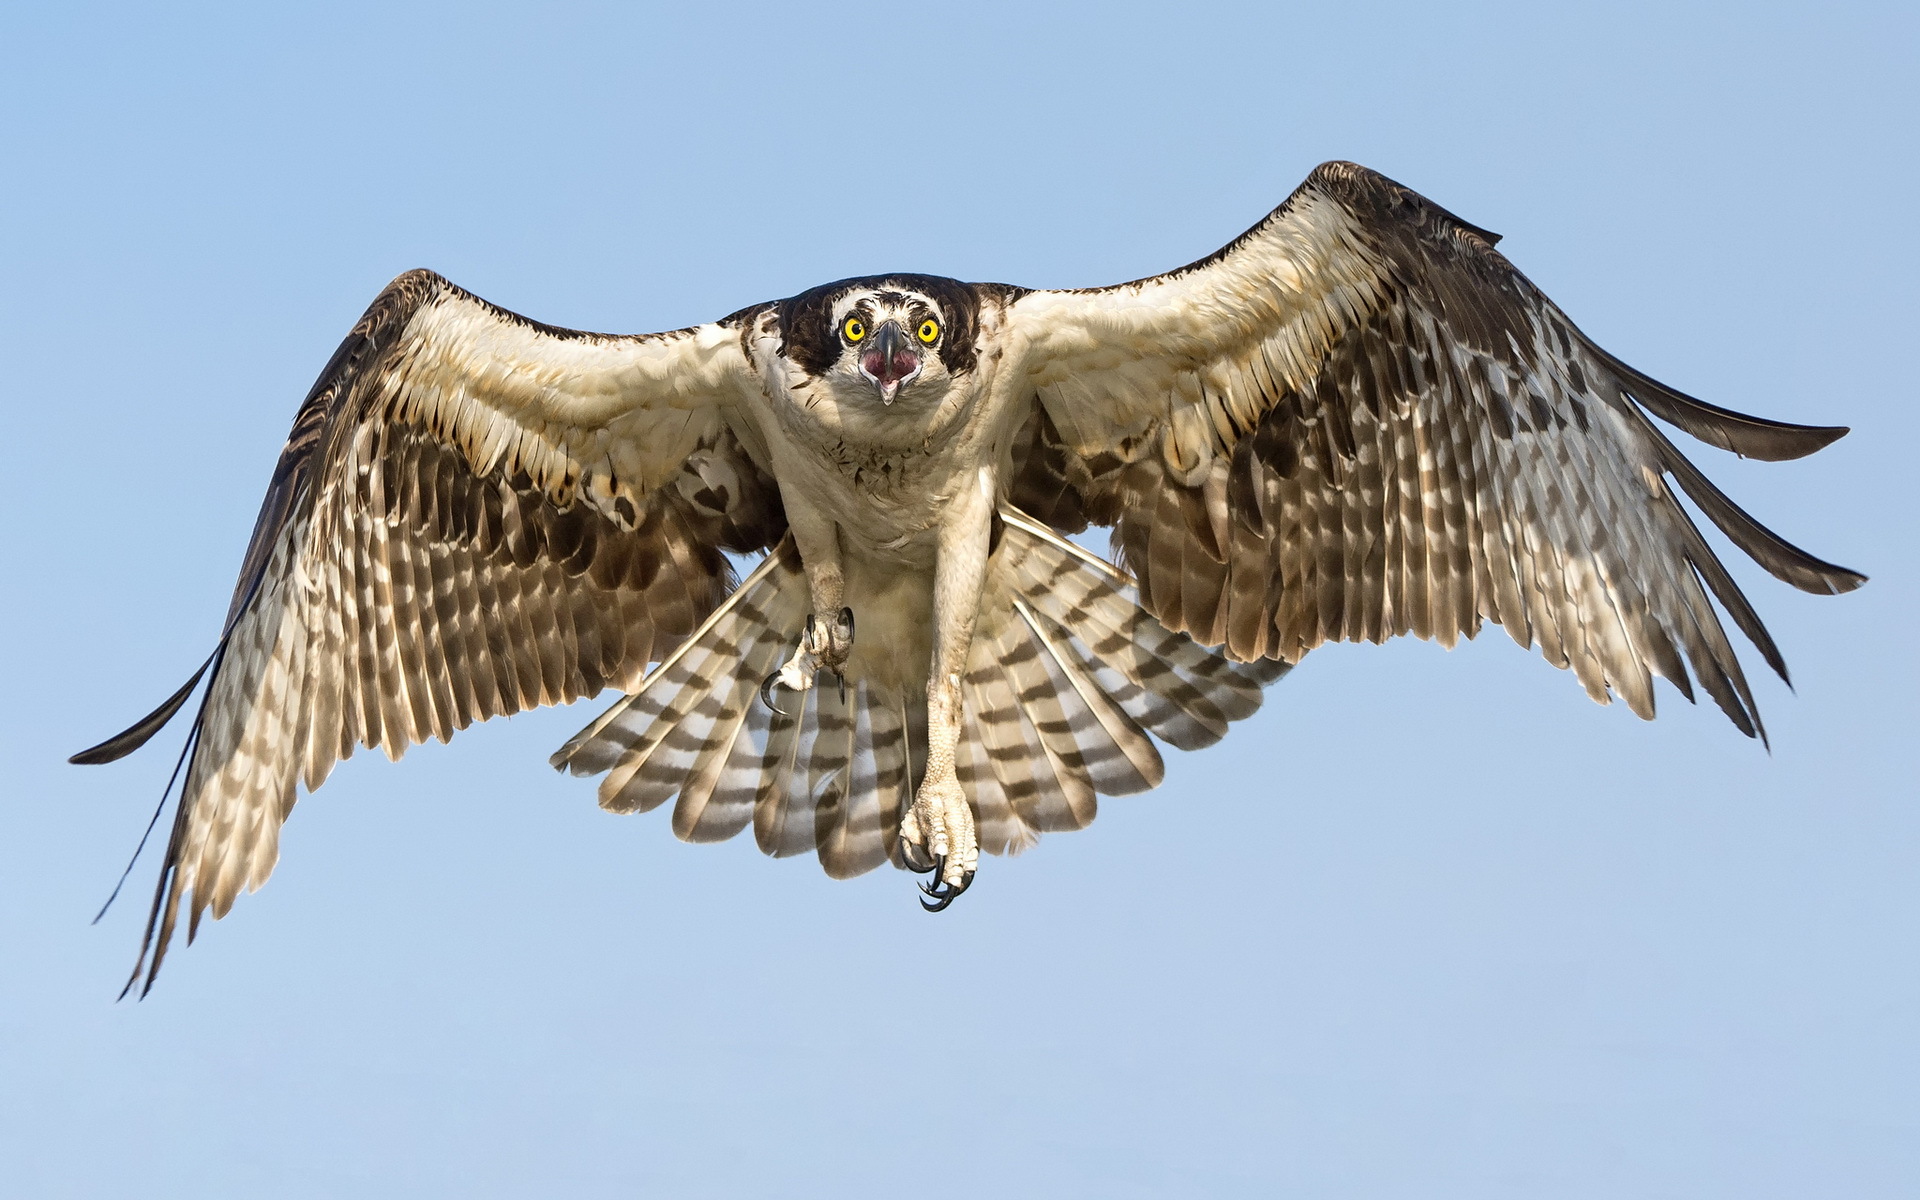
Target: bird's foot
(938, 837)
(825, 644)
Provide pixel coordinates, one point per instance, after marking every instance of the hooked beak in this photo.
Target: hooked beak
(890, 361)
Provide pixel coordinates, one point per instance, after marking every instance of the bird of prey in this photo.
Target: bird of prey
(1355, 421)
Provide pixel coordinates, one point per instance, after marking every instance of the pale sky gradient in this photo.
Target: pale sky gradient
(1432, 925)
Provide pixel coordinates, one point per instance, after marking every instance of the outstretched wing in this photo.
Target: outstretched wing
(1358, 420)
(474, 514)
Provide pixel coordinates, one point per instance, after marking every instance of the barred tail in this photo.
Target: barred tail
(1067, 678)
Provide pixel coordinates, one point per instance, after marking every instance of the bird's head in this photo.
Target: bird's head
(885, 338)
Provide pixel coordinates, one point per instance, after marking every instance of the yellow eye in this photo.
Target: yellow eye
(855, 329)
(929, 330)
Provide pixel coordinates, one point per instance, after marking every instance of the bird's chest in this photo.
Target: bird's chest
(881, 474)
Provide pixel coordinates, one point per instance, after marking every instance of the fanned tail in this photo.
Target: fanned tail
(694, 725)
(1067, 678)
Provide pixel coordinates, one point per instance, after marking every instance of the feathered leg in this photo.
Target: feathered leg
(829, 635)
(940, 821)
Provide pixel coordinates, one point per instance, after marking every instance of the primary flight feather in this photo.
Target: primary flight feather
(1357, 420)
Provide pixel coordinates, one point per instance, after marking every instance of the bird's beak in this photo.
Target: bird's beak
(890, 361)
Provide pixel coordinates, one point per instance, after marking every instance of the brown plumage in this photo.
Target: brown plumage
(1067, 677)
(1447, 449)
(1355, 421)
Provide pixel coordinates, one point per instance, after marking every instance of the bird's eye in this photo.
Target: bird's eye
(929, 330)
(855, 329)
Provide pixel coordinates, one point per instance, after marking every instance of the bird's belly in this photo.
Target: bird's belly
(893, 624)
(886, 517)
(887, 511)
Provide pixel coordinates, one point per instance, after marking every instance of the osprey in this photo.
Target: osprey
(1356, 421)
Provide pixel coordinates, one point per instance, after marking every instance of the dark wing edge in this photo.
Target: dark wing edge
(473, 515)
(1359, 420)
(292, 473)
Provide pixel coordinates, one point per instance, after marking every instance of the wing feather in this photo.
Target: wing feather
(1358, 420)
(474, 514)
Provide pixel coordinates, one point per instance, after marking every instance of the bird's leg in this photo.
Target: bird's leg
(828, 637)
(938, 826)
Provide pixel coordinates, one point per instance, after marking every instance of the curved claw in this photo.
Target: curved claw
(938, 869)
(846, 619)
(766, 694)
(942, 892)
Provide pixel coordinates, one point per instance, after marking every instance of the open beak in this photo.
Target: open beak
(891, 360)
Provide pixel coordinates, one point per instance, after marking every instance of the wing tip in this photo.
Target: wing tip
(1823, 435)
(1741, 433)
(1782, 441)
(1843, 579)
(141, 732)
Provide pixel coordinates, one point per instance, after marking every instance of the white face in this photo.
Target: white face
(890, 341)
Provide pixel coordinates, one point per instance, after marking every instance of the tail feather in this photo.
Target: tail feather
(1119, 756)
(654, 740)
(1019, 759)
(704, 812)
(1177, 689)
(996, 823)
(1147, 686)
(857, 818)
(1044, 710)
(828, 768)
(1066, 679)
(783, 807)
(727, 807)
(885, 771)
(677, 733)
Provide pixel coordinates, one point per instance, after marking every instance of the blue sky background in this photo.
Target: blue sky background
(1432, 925)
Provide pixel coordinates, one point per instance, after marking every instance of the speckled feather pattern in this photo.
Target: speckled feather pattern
(439, 557)
(1355, 421)
(1359, 421)
(1067, 676)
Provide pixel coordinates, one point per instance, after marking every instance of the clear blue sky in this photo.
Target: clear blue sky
(1433, 925)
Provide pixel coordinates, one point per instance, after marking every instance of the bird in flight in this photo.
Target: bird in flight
(1356, 421)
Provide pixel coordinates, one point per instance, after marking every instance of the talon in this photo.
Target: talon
(798, 673)
(938, 869)
(842, 677)
(846, 623)
(944, 893)
(940, 826)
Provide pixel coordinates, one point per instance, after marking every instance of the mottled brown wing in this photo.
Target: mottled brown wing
(1359, 420)
(474, 515)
